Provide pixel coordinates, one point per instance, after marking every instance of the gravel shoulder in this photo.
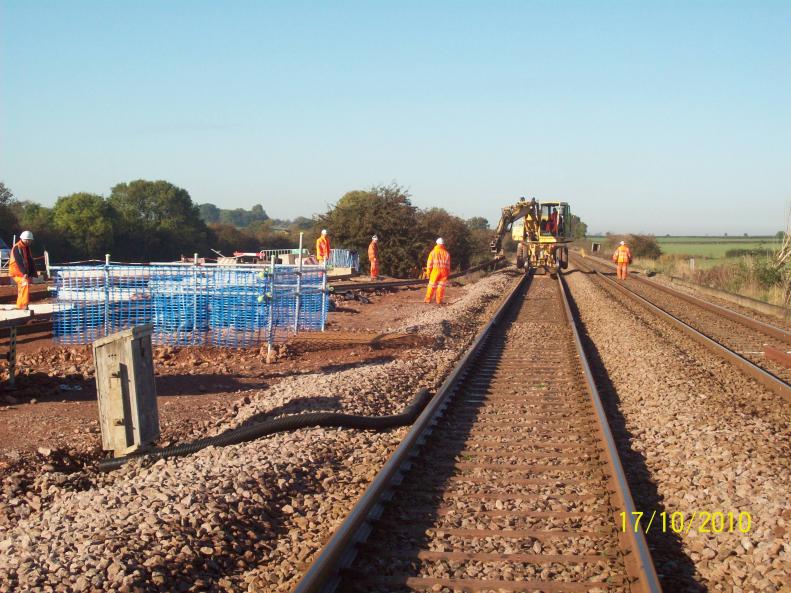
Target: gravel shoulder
(244, 518)
(696, 436)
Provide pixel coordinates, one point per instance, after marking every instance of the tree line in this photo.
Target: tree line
(143, 221)
(406, 233)
(139, 221)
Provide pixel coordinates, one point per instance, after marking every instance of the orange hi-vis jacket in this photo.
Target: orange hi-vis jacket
(323, 247)
(622, 255)
(438, 259)
(373, 251)
(21, 263)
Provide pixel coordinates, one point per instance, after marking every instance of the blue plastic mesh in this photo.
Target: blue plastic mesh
(189, 305)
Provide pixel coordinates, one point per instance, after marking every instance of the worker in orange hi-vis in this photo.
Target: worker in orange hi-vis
(323, 247)
(622, 258)
(22, 268)
(373, 257)
(438, 269)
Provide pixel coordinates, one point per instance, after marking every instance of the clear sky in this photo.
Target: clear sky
(665, 117)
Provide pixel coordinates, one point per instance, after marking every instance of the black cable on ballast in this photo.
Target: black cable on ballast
(284, 423)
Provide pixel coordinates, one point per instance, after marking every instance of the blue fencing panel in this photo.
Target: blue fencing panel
(239, 307)
(344, 258)
(225, 306)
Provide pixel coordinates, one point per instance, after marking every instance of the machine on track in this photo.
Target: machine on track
(541, 231)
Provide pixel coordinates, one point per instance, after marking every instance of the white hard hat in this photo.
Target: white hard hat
(26, 236)
(374, 238)
(323, 231)
(623, 242)
(440, 241)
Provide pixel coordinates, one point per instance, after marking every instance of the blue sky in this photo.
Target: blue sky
(665, 117)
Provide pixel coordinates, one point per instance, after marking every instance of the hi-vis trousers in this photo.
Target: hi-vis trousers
(438, 279)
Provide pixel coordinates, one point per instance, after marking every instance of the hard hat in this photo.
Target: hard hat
(26, 236)
(440, 241)
(623, 242)
(323, 231)
(374, 238)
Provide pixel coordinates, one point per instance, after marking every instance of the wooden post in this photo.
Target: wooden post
(126, 391)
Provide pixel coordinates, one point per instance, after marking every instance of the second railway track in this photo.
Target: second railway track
(740, 339)
(509, 481)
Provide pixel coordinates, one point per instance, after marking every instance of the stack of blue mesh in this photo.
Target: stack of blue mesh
(188, 305)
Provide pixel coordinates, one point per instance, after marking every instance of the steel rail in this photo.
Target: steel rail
(749, 368)
(323, 574)
(766, 328)
(641, 564)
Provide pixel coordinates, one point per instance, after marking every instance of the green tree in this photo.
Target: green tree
(436, 222)
(267, 237)
(209, 213)
(8, 219)
(39, 220)
(226, 239)
(257, 213)
(156, 221)
(241, 218)
(478, 223)
(385, 211)
(6, 195)
(579, 228)
(640, 245)
(86, 223)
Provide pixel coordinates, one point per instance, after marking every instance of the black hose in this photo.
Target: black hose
(284, 423)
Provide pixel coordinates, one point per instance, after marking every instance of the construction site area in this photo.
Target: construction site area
(292, 424)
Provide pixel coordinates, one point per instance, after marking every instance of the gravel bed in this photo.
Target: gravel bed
(244, 518)
(597, 572)
(703, 437)
(464, 519)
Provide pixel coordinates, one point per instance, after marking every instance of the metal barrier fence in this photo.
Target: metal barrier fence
(226, 306)
(344, 258)
(270, 254)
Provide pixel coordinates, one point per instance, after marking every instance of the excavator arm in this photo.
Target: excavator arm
(509, 215)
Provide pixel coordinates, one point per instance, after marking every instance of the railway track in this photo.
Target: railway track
(509, 480)
(753, 346)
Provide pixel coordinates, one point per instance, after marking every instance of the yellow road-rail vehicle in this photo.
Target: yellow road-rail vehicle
(541, 231)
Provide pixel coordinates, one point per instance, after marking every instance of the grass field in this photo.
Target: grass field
(710, 249)
(752, 276)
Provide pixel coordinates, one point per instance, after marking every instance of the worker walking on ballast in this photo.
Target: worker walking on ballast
(22, 268)
(373, 257)
(323, 247)
(622, 258)
(437, 269)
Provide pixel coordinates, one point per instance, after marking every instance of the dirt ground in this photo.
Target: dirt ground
(52, 417)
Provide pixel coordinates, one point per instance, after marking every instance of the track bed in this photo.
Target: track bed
(511, 487)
